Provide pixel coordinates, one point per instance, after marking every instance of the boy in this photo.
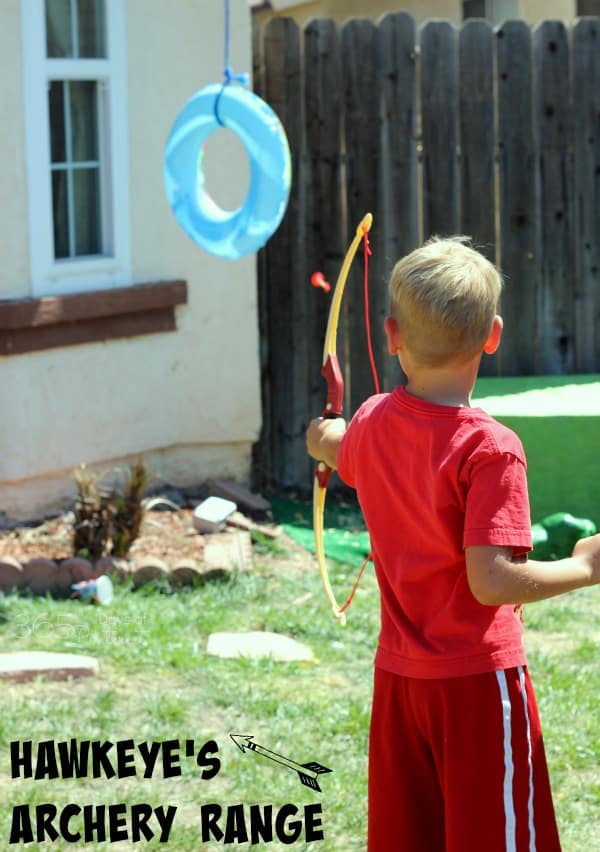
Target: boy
(456, 758)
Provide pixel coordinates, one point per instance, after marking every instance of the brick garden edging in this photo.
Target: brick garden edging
(227, 552)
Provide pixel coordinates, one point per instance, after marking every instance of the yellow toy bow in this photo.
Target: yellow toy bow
(333, 408)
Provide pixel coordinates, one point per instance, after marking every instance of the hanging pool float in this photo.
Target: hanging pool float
(228, 234)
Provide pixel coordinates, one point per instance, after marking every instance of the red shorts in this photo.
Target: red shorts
(458, 765)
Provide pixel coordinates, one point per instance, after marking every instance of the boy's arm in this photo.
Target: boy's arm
(323, 438)
(497, 577)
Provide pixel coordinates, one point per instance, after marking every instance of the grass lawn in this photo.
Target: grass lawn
(156, 683)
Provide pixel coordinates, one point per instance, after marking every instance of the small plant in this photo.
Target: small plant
(129, 508)
(108, 522)
(93, 524)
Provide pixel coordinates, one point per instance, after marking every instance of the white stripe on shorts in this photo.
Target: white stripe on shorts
(529, 761)
(510, 820)
(509, 808)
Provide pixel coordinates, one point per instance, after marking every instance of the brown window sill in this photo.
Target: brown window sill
(31, 325)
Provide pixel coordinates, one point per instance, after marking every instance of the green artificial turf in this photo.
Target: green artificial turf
(558, 420)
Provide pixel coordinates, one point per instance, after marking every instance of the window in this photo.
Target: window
(495, 11)
(77, 147)
(75, 29)
(588, 7)
(474, 9)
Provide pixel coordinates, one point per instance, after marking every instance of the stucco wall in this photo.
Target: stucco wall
(190, 400)
(535, 11)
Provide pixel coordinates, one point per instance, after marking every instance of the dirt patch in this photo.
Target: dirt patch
(167, 535)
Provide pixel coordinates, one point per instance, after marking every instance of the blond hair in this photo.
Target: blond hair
(444, 297)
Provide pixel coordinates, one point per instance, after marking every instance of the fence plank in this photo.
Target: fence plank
(284, 290)
(586, 106)
(399, 189)
(518, 244)
(362, 123)
(324, 207)
(477, 145)
(439, 95)
(477, 137)
(555, 293)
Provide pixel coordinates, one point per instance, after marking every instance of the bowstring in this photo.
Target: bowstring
(366, 254)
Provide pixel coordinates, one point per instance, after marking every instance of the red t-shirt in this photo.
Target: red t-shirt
(432, 480)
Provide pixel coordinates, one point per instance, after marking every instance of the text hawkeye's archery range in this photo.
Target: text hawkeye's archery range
(115, 822)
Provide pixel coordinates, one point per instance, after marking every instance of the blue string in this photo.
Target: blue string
(228, 72)
(226, 51)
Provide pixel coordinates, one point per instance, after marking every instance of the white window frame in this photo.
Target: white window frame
(113, 268)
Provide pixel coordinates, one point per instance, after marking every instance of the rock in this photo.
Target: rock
(63, 580)
(210, 515)
(79, 568)
(26, 665)
(239, 494)
(74, 569)
(184, 574)
(212, 575)
(40, 576)
(258, 644)
(11, 574)
(149, 570)
(117, 569)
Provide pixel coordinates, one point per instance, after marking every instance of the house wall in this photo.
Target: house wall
(189, 400)
(535, 11)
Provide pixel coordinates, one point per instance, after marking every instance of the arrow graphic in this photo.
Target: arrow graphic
(307, 772)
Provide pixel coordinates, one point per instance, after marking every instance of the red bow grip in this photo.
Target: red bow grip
(332, 373)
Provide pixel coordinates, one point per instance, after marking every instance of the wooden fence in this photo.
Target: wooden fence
(490, 133)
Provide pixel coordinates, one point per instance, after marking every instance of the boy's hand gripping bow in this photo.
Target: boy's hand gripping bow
(332, 374)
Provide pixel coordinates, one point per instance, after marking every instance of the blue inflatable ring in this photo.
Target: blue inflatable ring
(228, 234)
